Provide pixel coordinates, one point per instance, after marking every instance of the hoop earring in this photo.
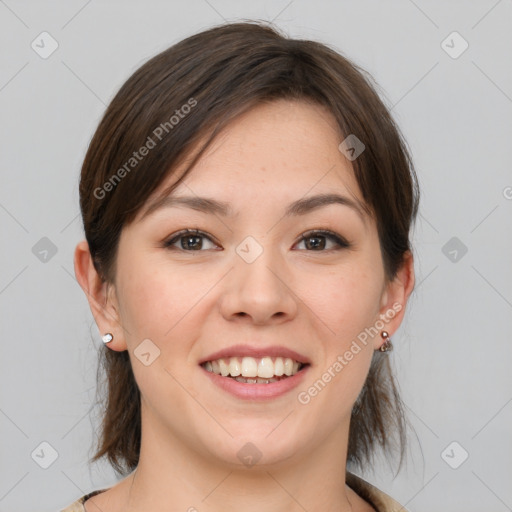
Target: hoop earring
(107, 338)
(386, 346)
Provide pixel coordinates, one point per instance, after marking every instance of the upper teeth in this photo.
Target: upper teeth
(265, 367)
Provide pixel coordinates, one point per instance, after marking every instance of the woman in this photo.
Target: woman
(246, 201)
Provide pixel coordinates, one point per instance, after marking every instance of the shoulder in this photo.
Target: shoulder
(378, 499)
(78, 505)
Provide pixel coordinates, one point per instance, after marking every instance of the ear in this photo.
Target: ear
(394, 298)
(101, 296)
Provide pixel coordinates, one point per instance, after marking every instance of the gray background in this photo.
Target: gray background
(453, 352)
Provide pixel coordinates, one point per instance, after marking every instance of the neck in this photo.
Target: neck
(172, 474)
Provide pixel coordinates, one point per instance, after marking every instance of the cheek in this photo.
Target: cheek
(354, 309)
(160, 306)
(348, 306)
(347, 300)
(154, 300)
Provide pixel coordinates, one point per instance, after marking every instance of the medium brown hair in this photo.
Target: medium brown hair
(221, 73)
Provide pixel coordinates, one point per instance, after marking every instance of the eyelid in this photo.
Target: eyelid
(343, 242)
(340, 241)
(169, 241)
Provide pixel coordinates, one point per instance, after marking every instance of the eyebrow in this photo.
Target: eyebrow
(208, 205)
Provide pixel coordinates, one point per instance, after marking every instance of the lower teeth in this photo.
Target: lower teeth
(256, 380)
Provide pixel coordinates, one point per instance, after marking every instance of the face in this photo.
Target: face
(261, 283)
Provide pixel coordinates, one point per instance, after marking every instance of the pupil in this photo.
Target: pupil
(189, 245)
(321, 245)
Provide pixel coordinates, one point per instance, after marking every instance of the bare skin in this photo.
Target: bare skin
(116, 499)
(193, 300)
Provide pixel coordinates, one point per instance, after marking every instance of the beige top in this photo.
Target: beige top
(380, 501)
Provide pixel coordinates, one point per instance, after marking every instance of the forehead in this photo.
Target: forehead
(279, 151)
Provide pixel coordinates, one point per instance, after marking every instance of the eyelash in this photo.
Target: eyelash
(340, 241)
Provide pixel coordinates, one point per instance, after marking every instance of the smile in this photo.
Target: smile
(250, 370)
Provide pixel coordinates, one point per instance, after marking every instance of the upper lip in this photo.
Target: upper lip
(256, 352)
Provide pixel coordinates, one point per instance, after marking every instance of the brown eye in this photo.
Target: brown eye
(316, 240)
(189, 240)
(192, 240)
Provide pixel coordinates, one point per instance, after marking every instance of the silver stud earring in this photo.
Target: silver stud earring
(107, 338)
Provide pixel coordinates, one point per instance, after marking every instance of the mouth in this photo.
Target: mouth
(255, 370)
(255, 373)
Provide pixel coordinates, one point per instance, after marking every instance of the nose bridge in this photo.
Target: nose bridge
(257, 263)
(259, 288)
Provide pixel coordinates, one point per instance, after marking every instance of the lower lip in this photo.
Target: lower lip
(257, 391)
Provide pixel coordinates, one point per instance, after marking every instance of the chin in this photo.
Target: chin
(252, 447)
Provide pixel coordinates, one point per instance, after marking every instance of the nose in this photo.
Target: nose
(259, 291)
